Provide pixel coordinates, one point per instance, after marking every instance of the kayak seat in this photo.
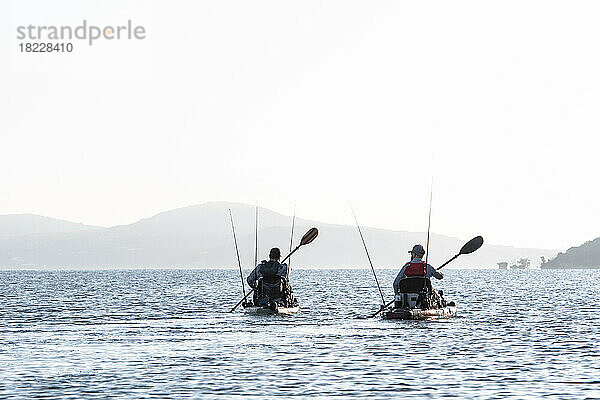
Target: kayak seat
(413, 293)
(415, 285)
(273, 289)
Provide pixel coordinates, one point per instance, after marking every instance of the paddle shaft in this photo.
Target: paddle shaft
(382, 308)
(240, 302)
(238, 254)
(289, 255)
(447, 262)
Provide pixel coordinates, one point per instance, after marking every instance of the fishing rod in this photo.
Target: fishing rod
(368, 256)
(308, 237)
(468, 248)
(384, 306)
(238, 253)
(256, 237)
(427, 246)
(429, 222)
(291, 240)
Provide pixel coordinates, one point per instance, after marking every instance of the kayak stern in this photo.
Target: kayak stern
(419, 314)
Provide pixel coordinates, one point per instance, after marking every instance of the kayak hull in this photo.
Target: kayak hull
(419, 314)
(269, 311)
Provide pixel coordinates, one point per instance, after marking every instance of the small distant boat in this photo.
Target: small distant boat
(522, 263)
(503, 265)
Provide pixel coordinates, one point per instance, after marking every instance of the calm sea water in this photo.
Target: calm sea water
(166, 333)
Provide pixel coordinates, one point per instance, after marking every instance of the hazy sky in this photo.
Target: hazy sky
(314, 103)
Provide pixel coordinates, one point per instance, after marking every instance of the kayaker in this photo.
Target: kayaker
(416, 267)
(271, 267)
(270, 280)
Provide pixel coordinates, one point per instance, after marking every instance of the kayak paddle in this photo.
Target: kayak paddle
(468, 248)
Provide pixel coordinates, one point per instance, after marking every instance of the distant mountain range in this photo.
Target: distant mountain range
(200, 236)
(27, 224)
(585, 256)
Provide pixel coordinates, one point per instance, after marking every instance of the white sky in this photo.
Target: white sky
(314, 103)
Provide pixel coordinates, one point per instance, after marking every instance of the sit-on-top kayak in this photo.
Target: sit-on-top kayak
(418, 313)
(271, 310)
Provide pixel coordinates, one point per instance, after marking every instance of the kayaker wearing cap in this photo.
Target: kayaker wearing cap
(416, 267)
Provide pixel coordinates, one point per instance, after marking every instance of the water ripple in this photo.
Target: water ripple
(166, 333)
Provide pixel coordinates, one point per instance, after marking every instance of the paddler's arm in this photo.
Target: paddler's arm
(434, 272)
(399, 277)
(283, 271)
(253, 276)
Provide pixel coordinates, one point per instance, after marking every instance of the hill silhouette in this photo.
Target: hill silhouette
(26, 224)
(200, 236)
(586, 255)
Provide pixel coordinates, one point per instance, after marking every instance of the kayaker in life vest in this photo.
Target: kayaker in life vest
(271, 268)
(416, 267)
(270, 281)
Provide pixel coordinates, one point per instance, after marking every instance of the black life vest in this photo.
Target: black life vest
(268, 270)
(416, 269)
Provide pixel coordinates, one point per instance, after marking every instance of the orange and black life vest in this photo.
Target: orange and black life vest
(416, 269)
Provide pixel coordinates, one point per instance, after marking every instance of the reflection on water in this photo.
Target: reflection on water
(159, 333)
